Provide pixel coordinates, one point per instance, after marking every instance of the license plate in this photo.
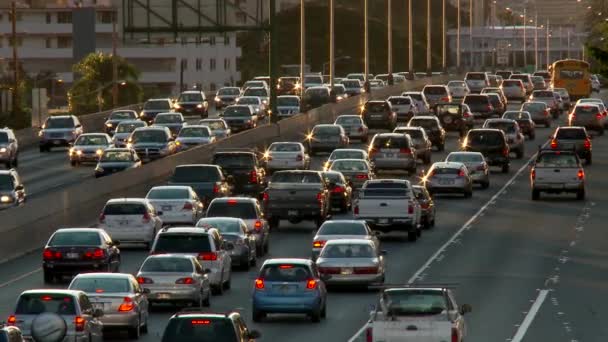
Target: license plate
(447, 119)
(57, 142)
(346, 271)
(292, 212)
(123, 223)
(557, 186)
(163, 296)
(383, 220)
(389, 155)
(446, 181)
(166, 208)
(377, 116)
(72, 255)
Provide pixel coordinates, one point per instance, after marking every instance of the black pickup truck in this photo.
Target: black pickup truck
(246, 170)
(296, 196)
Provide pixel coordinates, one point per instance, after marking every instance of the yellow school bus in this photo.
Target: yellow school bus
(572, 74)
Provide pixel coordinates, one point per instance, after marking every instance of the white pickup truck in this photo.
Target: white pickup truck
(417, 314)
(389, 205)
(556, 171)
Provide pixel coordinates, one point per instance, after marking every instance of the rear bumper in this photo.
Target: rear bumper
(497, 160)
(385, 224)
(68, 268)
(354, 279)
(287, 213)
(284, 304)
(282, 165)
(447, 189)
(405, 163)
(122, 320)
(558, 187)
(171, 294)
(143, 236)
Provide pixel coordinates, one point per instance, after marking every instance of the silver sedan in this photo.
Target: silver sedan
(475, 163)
(342, 229)
(351, 262)
(191, 136)
(173, 278)
(356, 171)
(354, 126)
(123, 301)
(449, 177)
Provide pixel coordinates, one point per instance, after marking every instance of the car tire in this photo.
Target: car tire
(485, 185)
(245, 263)
(257, 315)
(218, 290)
(207, 301)
(135, 332)
(319, 221)
(144, 328)
(519, 153)
(535, 195)
(48, 277)
(589, 160)
(273, 223)
(427, 159)
(412, 170)
(315, 316)
(505, 168)
(580, 195)
(468, 194)
(412, 236)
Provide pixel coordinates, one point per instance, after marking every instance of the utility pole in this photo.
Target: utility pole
(568, 43)
(471, 55)
(366, 44)
(525, 47)
(410, 40)
(302, 47)
(390, 43)
(15, 61)
(429, 72)
(548, 45)
(536, 41)
(332, 57)
(273, 61)
(444, 61)
(458, 65)
(114, 64)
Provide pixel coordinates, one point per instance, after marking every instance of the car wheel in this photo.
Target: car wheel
(519, 153)
(315, 316)
(588, 160)
(419, 232)
(207, 300)
(427, 159)
(228, 284)
(273, 223)
(266, 247)
(505, 168)
(257, 315)
(535, 195)
(441, 147)
(580, 195)
(218, 290)
(73, 163)
(135, 332)
(412, 170)
(485, 185)
(144, 328)
(412, 236)
(245, 262)
(49, 277)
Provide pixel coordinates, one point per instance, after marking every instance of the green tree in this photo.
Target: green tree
(93, 89)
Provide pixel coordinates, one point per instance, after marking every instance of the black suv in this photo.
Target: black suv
(193, 325)
(379, 114)
(490, 142)
(193, 102)
(433, 129)
(455, 117)
(480, 105)
(208, 181)
(153, 107)
(247, 172)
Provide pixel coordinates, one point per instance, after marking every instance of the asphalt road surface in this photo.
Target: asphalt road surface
(532, 271)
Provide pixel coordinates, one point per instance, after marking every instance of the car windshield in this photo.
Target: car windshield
(126, 115)
(285, 148)
(249, 101)
(37, 303)
(285, 273)
(346, 155)
(577, 134)
(243, 210)
(228, 91)
(59, 123)
(516, 116)
(296, 177)
(342, 228)
(255, 92)
(159, 105)
(316, 93)
(313, 79)
(507, 127)
(476, 99)
(194, 132)
(485, 138)
(223, 225)
(6, 182)
(167, 264)
(326, 130)
(190, 97)
(237, 111)
(543, 94)
(182, 243)
(456, 84)
(149, 136)
(213, 125)
(464, 158)
(511, 83)
(234, 160)
(74, 238)
(348, 251)
(390, 142)
(91, 140)
(168, 118)
(128, 127)
(196, 174)
(101, 285)
(434, 91)
(3, 138)
(413, 133)
(414, 96)
(351, 84)
(476, 76)
(333, 177)
(376, 107)
(349, 165)
(556, 160)
(116, 156)
(414, 302)
(288, 102)
(124, 209)
(400, 101)
(168, 193)
(205, 329)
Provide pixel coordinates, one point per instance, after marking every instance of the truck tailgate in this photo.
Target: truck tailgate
(293, 195)
(412, 330)
(383, 207)
(556, 175)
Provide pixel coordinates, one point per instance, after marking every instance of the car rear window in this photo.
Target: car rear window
(342, 228)
(285, 273)
(296, 177)
(351, 84)
(348, 120)
(510, 83)
(333, 177)
(167, 265)
(74, 238)
(464, 157)
(242, 210)
(349, 165)
(236, 111)
(346, 155)
(400, 101)
(523, 78)
(222, 224)
(485, 138)
(376, 107)
(7, 182)
(556, 160)
(571, 134)
(194, 174)
(100, 285)
(326, 130)
(543, 94)
(413, 133)
(59, 123)
(380, 142)
(416, 302)
(149, 136)
(434, 91)
(127, 115)
(345, 251)
(414, 96)
(285, 148)
(533, 107)
(168, 193)
(384, 192)
(445, 171)
(507, 127)
(3, 138)
(476, 99)
(424, 123)
(128, 127)
(586, 110)
(37, 303)
(288, 101)
(182, 243)
(516, 116)
(203, 329)
(213, 125)
(124, 209)
(232, 160)
(475, 76)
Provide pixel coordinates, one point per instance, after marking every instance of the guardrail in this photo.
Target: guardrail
(93, 122)
(27, 228)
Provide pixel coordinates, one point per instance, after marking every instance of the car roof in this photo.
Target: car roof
(104, 275)
(199, 165)
(181, 230)
(349, 241)
(466, 153)
(89, 230)
(191, 92)
(6, 172)
(297, 261)
(349, 150)
(425, 117)
(391, 180)
(54, 291)
(127, 200)
(500, 120)
(172, 187)
(126, 122)
(389, 134)
(159, 99)
(326, 125)
(169, 255)
(288, 96)
(222, 218)
(448, 165)
(485, 129)
(238, 199)
(350, 160)
(348, 116)
(61, 117)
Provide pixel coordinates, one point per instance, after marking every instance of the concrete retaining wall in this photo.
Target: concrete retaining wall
(27, 228)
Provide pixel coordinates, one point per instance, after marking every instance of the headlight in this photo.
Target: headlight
(177, 143)
(78, 152)
(41, 134)
(109, 125)
(99, 152)
(199, 106)
(3, 150)
(99, 169)
(6, 199)
(217, 99)
(264, 101)
(129, 145)
(177, 106)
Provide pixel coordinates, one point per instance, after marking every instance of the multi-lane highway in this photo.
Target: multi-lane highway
(533, 271)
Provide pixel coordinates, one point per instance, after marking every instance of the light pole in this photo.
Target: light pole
(536, 41)
(444, 60)
(525, 42)
(458, 65)
(410, 41)
(302, 46)
(332, 61)
(428, 38)
(471, 55)
(390, 43)
(366, 44)
(568, 43)
(548, 45)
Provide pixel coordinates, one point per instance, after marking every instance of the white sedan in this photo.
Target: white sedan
(286, 156)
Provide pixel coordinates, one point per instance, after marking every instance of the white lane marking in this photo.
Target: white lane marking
(25, 275)
(464, 227)
(523, 328)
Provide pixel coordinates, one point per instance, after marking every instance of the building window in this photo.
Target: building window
(64, 17)
(226, 40)
(212, 64)
(199, 64)
(105, 17)
(19, 41)
(241, 17)
(237, 63)
(212, 40)
(226, 63)
(64, 42)
(212, 87)
(49, 43)
(49, 18)
(184, 64)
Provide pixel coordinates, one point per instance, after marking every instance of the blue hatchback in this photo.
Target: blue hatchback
(289, 286)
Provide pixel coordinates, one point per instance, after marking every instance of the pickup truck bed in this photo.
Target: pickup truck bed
(557, 172)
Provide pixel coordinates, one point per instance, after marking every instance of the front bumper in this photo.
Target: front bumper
(56, 142)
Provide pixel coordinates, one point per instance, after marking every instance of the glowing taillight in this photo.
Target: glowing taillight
(455, 335)
(320, 197)
(581, 174)
(187, 206)
(259, 284)
(587, 144)
(97, 253)
(405, 150)
(216, 189)
(12, 320)
(318, 244)
(127, 305)
(461, 173)
(311, 284)
(253, 177)
(185, 281)
(505, 152)
(598, 116)
(356, 210)
(144, 280)
(79, 323)
(533, 174)
(50, 254)
(258, 225)
(208, 256)
(146, 218)
(266, 197)
(369, 337)
(338, 189)
(410, 208)
(553, 143)
(362, 176)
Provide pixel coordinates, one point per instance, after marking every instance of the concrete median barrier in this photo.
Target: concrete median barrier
(27, 228)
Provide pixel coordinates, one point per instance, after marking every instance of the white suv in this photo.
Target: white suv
(204, 243)
(176, 204)
(130, 220)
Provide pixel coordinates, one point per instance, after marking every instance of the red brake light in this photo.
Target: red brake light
(318, 244)
(362, 176)
(97, 253)
(410, 208)
(208, 256)
(79, 323)
(311, 284)
(356, 210)
(187, 206)
(144, 280)
(127, 305)
(266, 197)
(505, 151)
(587, 144)
(46, 298)
(49, 254)
(405, 150)
(360, 129)
(102, 218)
(581, 174)
(259, 284)
(461, 173)
(553, 143)
(12, 320)
(253, 177)
(368, 335)
(533, 174)
(146, 218)
(216, 188)
(258, 225)
(232, 202)
(445, 99)
(299, 157)
(185, 281)
(598, 116)
(320, 197)
(285, 267)
(454, 335)
(466, 115)
(338, 189)
(200, 322)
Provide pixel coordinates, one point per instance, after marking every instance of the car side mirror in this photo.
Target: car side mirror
(465, 308)
(97, 313)
(254, 334)
(19, 187)
(145, 291)
(383, 252)
(116, 243)
(207, 271)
